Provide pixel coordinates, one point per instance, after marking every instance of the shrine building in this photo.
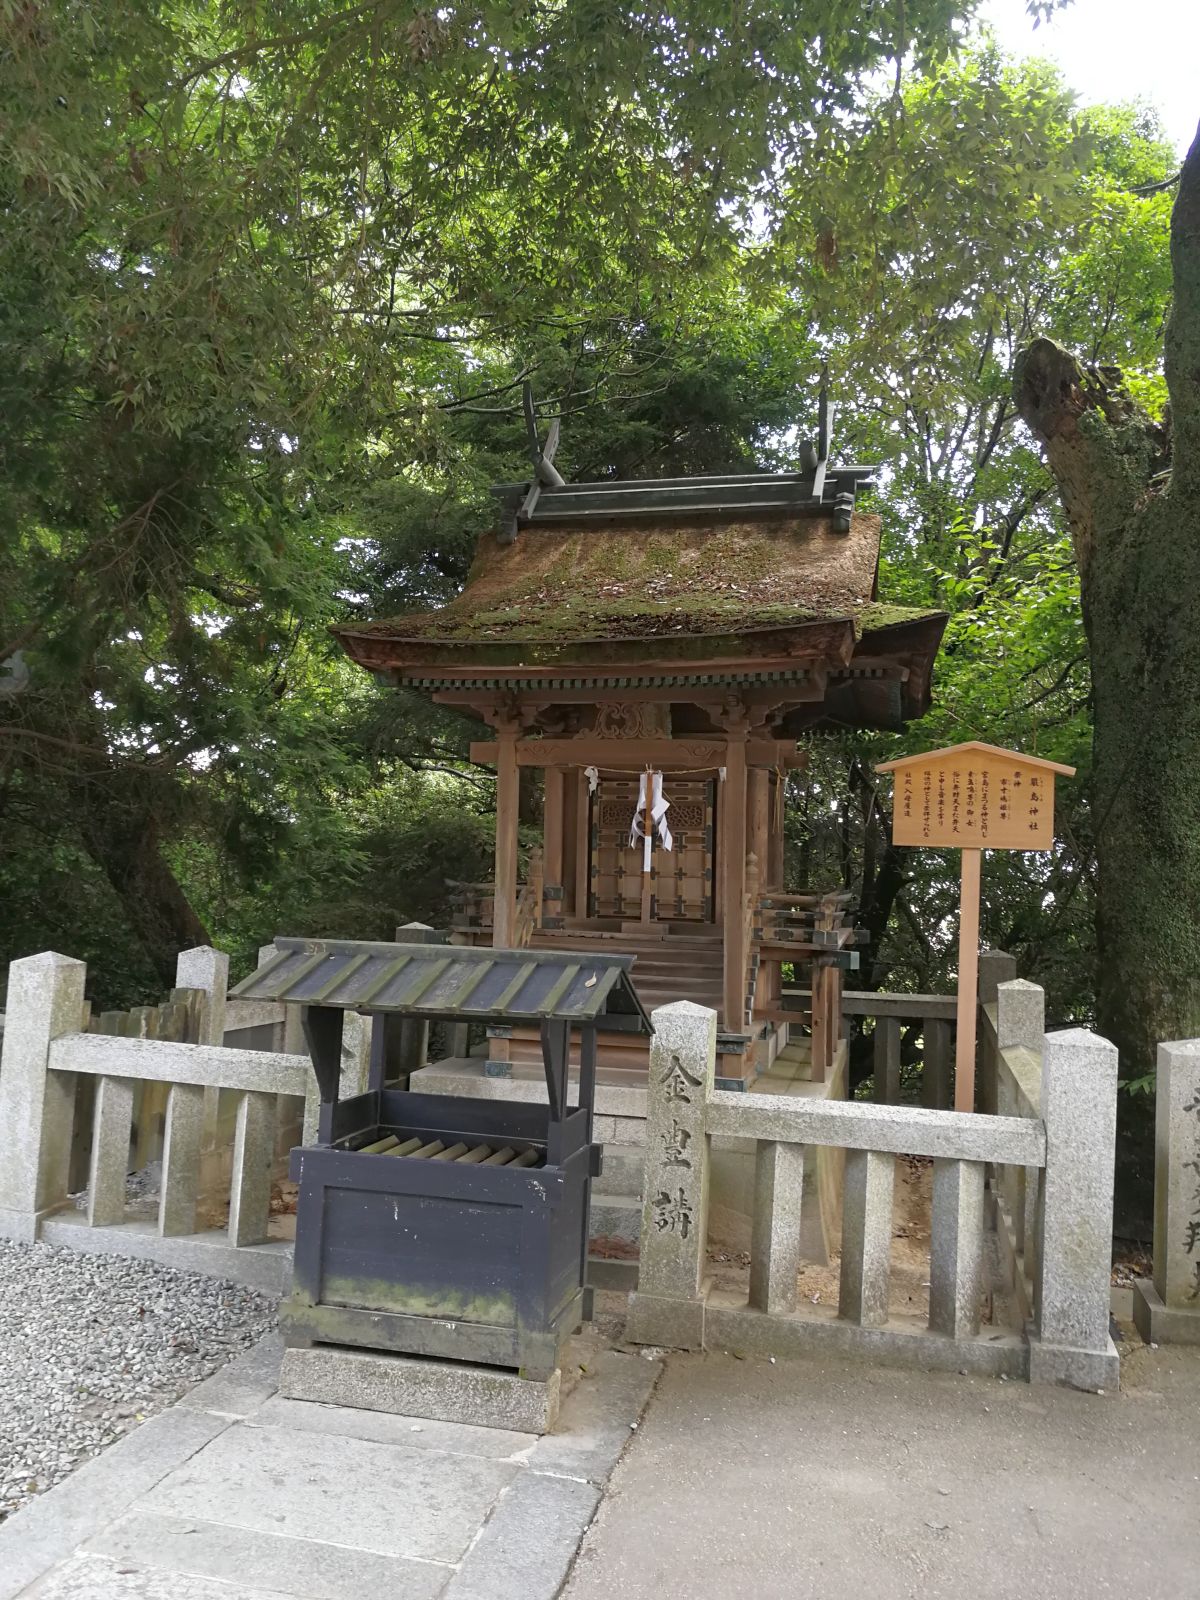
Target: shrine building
(657, 649)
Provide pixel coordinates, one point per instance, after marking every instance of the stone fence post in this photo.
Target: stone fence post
(995, 967)
(1166, 1308)
(207, 969)
(668, 1306)
(45, 1001)
(1020, 1025)
(1020, 1015)
(1070, 1343)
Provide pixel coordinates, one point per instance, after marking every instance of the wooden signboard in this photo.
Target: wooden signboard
(972, 797)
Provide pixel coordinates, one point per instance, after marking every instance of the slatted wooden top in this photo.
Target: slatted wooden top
(449, 981)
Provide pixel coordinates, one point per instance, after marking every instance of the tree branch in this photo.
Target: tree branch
(283, 41)
(1102, 447)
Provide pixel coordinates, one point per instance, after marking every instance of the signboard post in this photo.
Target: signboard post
(972, 797)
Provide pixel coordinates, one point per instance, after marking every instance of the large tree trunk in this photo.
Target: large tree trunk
(122, 838)
(1131, 492)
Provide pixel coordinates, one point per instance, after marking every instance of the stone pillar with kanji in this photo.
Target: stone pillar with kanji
(668, 1308)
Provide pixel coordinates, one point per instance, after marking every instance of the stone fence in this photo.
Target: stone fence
(214, 1094)
(1065, 1140)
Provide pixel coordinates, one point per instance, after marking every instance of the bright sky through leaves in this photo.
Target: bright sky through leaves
(1112, 50)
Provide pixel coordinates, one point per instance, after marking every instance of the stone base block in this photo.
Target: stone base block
(1091, 1370)
(614, 1274)
(675, 1324)
(22, 1227)
(1159, 1323)
(266, 1267)
(617, 1217)
(738, 1326)
(412, 1386)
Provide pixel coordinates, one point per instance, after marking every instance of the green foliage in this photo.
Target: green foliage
(358, 858)
(273, 276)
(971, 521)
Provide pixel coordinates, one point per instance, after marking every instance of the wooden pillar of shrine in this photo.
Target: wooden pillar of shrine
(583, 853)
(504, 916)
(758, 800)
(733, 878)
(552, 826)
(758, 807)
(775, 848)
(570, 815)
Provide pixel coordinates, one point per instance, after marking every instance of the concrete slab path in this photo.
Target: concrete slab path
(237, 1494)
(825, 1480)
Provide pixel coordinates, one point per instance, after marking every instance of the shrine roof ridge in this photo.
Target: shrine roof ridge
(546, 498)
(823, 491)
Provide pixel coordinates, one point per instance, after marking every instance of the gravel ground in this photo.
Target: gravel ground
(91, 1345)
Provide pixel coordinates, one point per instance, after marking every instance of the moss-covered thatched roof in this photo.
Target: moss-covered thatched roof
(569, 587)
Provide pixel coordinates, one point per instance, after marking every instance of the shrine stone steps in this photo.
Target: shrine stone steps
(620, 1057)
(675, 967)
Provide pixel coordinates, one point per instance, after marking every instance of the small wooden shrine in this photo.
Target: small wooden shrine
(657, 648)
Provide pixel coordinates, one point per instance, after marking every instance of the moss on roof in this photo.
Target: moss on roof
(568, 585)
(612, 617)
(616, 594)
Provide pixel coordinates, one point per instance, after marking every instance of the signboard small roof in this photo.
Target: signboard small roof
(924, 758)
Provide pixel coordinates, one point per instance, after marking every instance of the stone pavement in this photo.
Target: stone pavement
(812, 1478)
(237, 1494)
(800, 1480)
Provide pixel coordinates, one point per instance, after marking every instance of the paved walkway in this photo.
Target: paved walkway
(803, 1480)
(237, 1494)
(836, 1482)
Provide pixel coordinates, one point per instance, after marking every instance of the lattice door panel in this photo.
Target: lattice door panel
(616, 882)
(681, 880)
(683, 891)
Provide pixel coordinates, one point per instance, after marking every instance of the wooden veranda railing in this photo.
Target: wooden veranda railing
(749, 916)
(919, 1025)
(473, 905)
(814, 933)
(529, 902)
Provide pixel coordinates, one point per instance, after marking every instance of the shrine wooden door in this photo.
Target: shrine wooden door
(681, 881)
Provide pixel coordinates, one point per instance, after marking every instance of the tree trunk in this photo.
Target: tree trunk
(123, 841)
(1131, 492)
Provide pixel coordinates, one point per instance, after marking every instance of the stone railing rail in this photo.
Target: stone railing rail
(47, 1056)
(1069, 1148)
